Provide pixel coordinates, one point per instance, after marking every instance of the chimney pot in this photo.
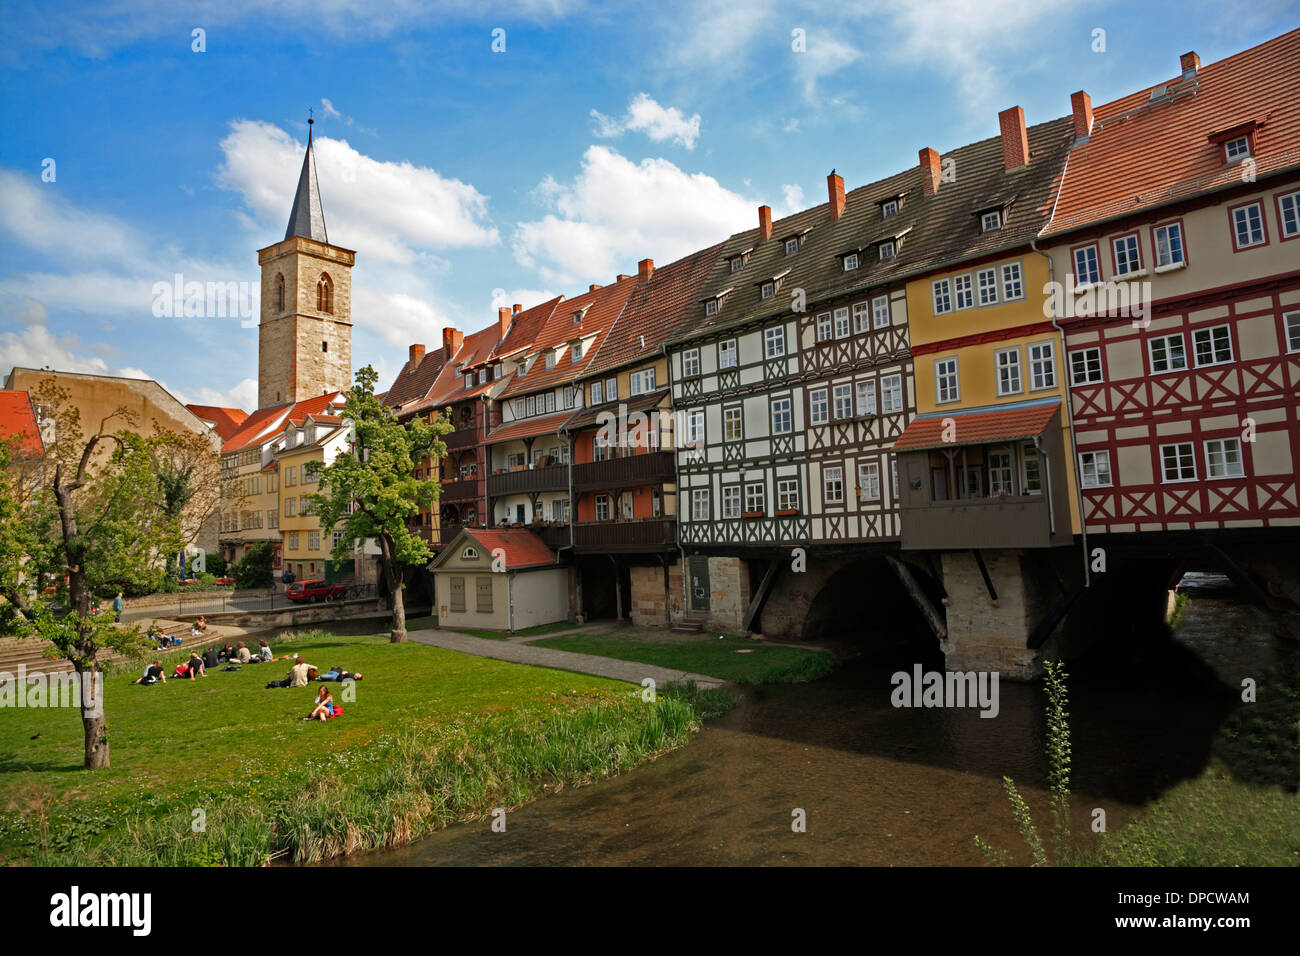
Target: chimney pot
(516, 308)
(1190, 63)
(1081, 107)
(645, 269)
(764, 223)
(835, 190)
(593, 287)
(415, 354)
(929, 171)
(1015, 142)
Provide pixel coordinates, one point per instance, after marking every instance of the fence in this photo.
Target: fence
(225, 603)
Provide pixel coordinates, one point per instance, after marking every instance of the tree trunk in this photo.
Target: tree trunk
(398, 634)
(393, 583)
(92, 715)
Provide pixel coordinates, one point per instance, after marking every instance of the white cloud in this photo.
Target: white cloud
(660, 123)
(29, 311)
(525, 297)
(794, 201)
(35, 346)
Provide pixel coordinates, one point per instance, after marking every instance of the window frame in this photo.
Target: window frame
(850, 262)
(735, 354)
(737, 411)
(1096, 263)
(1226, 329)
(687, 355)
(865, 469)
(875, 312)
(941, 292)
(996, 216)
(1190, 456)
(731, 502)
(774, 335)
(1263, 225)
(1050, 345)
(1115, 241)
(1179, 263)
(1294, 196)
(1223, 443)
(824, 402)
(1101, 374)
(699, 495)
(827, 469)
(1019, 281)
(1291, 331)
(886, 390)
(781, 494)
(773, 414)
(939, 378)
(1151, 354)
(1095, 454)
(999, 367)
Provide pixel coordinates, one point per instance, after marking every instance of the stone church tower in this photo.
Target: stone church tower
(304, 344)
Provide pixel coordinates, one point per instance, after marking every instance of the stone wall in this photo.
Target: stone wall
(988, 635)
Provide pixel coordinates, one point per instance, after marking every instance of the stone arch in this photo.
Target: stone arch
(325, 294)
(279, 293)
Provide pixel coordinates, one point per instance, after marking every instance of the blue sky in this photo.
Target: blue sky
(466, 178)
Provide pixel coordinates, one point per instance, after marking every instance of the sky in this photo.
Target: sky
(476, 154)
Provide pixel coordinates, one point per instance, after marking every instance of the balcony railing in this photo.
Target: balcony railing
(638, 534)
(461, 438)
(460, 489)
(552, 478)
(646, 469)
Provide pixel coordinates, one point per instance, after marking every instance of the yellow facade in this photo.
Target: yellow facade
(623, 377)
(305, 551)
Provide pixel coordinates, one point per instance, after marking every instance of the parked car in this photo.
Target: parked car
(315, 591)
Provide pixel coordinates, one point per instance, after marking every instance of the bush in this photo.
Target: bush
(253, 570)
(215, 564)
(207, 580)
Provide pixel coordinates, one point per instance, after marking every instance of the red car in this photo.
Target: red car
(314, 591)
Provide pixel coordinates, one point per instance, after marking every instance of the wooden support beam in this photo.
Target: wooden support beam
(919, 598)
(1239, 576)
(988, 581)
(760, 596)
(1054, 615)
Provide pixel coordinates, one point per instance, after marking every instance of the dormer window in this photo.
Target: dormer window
(579, 315)
(737, 263)
(550, 359)
(991, 221)
(711, 307)
(792, 245)
(850, 262)
(888, 208)
(888, 249)
(577, 351)
(767, 290)
(469, 380)
(1236, 149)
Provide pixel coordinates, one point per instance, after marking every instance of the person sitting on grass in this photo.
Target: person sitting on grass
(299, 674)
(153, 674)
(226, 653)
(241, 655)
(323, 709)
(263, 653)
(196, 668)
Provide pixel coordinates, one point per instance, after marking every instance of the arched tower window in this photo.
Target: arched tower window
(279, 293)
(325, 295)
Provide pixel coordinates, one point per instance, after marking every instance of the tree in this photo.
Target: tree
(371, 492)
(253, 570)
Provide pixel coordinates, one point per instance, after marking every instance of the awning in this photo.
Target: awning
(588, 417)
(978, 426)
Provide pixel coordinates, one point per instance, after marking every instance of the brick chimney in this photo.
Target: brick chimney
(415, 355)
(1015, 143)
(645, 269)
(516, 309)
(621, 277)
(835, 190)
(503, 319)
(593, 287)
(764, 223)
(929, 171)
(1190, 63)
(1081, 106)
(451, 340)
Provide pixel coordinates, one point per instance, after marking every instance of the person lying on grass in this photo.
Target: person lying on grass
(324, 706)
(152, 675)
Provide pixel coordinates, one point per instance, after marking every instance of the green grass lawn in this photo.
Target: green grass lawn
(227, 741)
(711, 656)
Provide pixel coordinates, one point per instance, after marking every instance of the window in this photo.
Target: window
(1031, 474)
(695, 427)
(823, 327)
(755, 498)
(324, 346)
(737, 263)
(560, 509)
(597, 393)
(767, 290)
(291, 476)
(945, 381)
(642, 381)
(1169, 245)
(570, 397)
(1087, 268)
(457, 594)
(887, 251)
(290, 507)
(819, 409)
(842, 322)
(600, 448)
(850, 262)
(1000, 472)
(1008, 365)
(1292, 322)
(1248, 225)
(781, 420)
(833, 485)
(515, 460)
(961, 286)
(843, 399)
(1094, 466)
(731, 423)
(313, 540)
(602, 507)
(1235, 149)
(880, 312)
(991, 221)
(792, 246)
(1013, 284)
(1288, 215)
(293, 540)
(942, 297)
(700, 504)
(483, 594)
(279, 293)
(530, 406)
(1212, 346)
(987, 279)
(1085, 366)
(774, 342)
(656, 503)
(869, 480)
(690, 363)
(550, 359)
(1167, 354)
(893, 476)
(1178, 461)
(867, 398)
(889, 208)
(861, 317)
(576, 352)
(787, 494)
(1042, 365)
(325, 295)
(730, 501)
(711, 307)
(1128, 257)
(891, 393)
(1223, 458)
(272, 518)
(727, 354)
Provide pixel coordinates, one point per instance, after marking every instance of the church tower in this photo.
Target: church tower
(304, 343)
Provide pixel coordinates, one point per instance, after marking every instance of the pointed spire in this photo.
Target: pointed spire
(307, 218)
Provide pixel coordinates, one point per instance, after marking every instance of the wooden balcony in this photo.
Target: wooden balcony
(1022, 521)
(461, 438)
(461, 490)
(647, 469)
(637, 535)
(446, 533)
(550, 478)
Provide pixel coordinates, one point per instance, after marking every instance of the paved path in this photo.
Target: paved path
(629, 671)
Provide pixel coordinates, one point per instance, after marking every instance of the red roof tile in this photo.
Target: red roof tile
(530, 427)
(18, 418)
(266, 423)
(414, 380)
(522, 548)
(225, 420)
(978, 426)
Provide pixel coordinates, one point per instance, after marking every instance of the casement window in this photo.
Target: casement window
(690, 363)
(1288, 215)
(842, 395)
(530, 406)
(731, 423)
(1169, 245)
(737, 263)
(963, 294)
(597, 393)
(600, 448)
(861, 317)
(833, 485)
(755, 498)
(1087, 267)
(570, 397)
(560, 509)
(1248, 225)
(880, 312)
(1094, 466)
(1085, 366)
(887, 251)
(782, 423)
(1291, 320)
(891, 394)
(727, 354)
(1000, 472)
(893, 476)
(335, 538)
(850, 262)
(1013, 282)
(469, 380)
(869, 480)
(1223, 458)
(1128, 255)
(1010, 381)
(291, 476)
(641, 381)
(711, 307)
(1031, 473)
(576, 352)
(819, 407)
(1235, 149)
(290, 507)
(946, 387)
(550, 359)
(695, 427)
(730, 501)
(1167, 354)
(942, 293)
(611, 389)
(792, 246)
(987, 280)
(1042, 365)
(889, 208)
(842, 323)
(1178, 461)
(515, 459)
(272, 518)
(293, 540)
(602, 507)
(787, 494)
(823, 327)
(767, 290)
(991, 221)
(1212, 346)
(656, 503)
(774, 342)
(700, 504)
(866, 397)
(482, 376)
(313, 540)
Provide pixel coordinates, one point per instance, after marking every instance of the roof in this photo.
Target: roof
(1141, 153)
(315, 407)
(978, 426)
(18, 419)
(307, 217)
(267, 423)
(523, 549)
(415, 379)
(526, 326)
(587, 417)
(529, 427)
(226, 421)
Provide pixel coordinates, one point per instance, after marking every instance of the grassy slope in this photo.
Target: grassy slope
(712, 656)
